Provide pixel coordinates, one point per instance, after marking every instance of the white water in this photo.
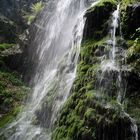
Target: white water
(56, 48)
(113, 31)
(111, 63)
(58, 40)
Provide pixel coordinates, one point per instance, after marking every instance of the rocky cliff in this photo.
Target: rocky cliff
(92, 111)
(88, 114)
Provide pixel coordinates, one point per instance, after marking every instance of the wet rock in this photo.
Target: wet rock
(97, 20)
(99, 51)
(131, 19)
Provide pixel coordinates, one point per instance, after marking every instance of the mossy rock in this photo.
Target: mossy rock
(130, 19)
(88, 112)
(4, 46)
(8, 118)
(96, 26)
(12, 93)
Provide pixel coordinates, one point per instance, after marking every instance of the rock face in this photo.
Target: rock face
(98, 28)
(14, 30)
(12, 88)
(131, 19)
(12, 19)
(88, 114)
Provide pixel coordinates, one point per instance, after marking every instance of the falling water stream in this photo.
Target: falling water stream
(55, 47)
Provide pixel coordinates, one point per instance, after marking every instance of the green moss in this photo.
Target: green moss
(12, 93)
(134, 46)
(9, 117)
(133, 53)
(87, 109)
(125, 3)
(6, 46)
(133, 108)
(88, 48)
(35, 9)
(102, 3)
(90, 114)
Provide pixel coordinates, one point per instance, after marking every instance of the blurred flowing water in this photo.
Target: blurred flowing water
(53, 52)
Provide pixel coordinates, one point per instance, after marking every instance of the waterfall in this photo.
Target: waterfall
(113, 69)
(54, 52)
(55, 49)
(115, 16)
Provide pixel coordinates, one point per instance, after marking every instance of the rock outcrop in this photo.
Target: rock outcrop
(88, 114)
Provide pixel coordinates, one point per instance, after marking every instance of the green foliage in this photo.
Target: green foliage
(12, 92)
(133, 53)
(35, 9)
(9, 117)
(6, 46)
(125, 3)
(13, 77)
(87, 108)
(90, 114)
(135, 48)
(102, 3)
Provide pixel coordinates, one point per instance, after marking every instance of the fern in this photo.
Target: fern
(35, 9)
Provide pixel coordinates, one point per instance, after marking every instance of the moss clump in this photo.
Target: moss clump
(35, 9)
(7, 118)
(88, 113)
(98, 18)
(4, 46)
(133, 79)
(102, 3)
(129, 16)
(134, 47)
(133, 54)
(125, 3)
(12, 92)
(87, 110)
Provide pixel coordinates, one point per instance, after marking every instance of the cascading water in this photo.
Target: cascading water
(58, 34)
(113, 31)
(111, 62)
(113, 71)
(57, 37)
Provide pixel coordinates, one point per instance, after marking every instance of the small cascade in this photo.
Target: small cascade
(54, 52)
(111, 61)
(115, 25)
(113, 69)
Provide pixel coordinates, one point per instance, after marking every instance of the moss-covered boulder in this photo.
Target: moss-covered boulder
(12, 92)
(130, 18)
(12, 89)
(97, 18)
(89, 113)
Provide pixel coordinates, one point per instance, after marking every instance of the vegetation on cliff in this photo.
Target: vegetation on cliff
(12, 93)
(88, 114)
